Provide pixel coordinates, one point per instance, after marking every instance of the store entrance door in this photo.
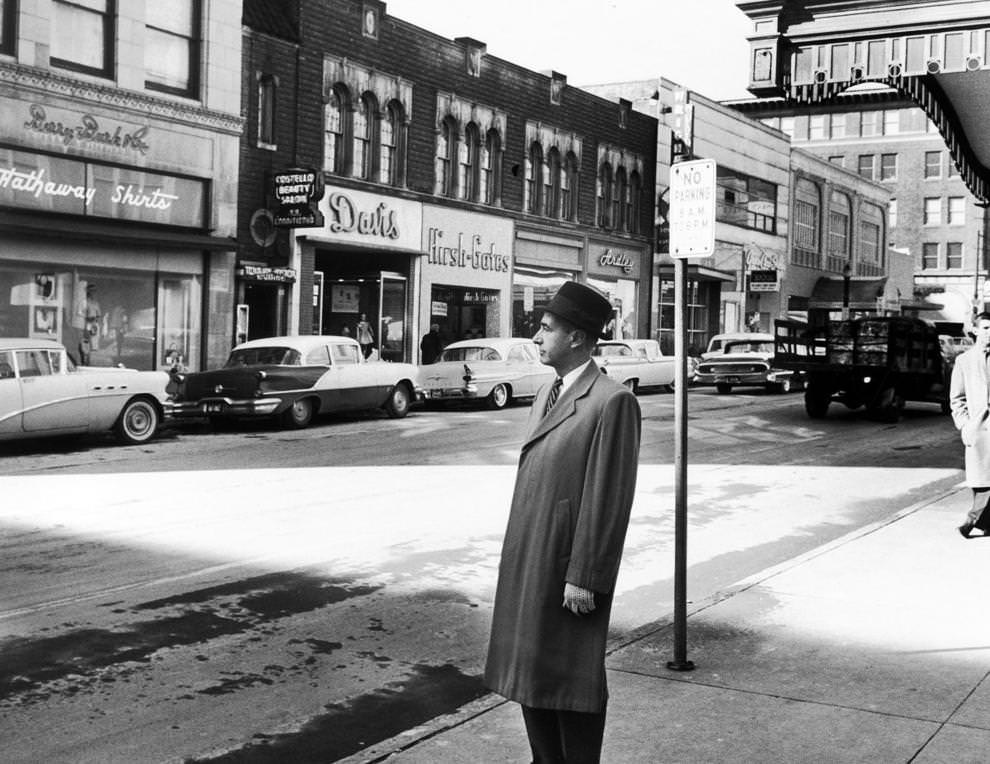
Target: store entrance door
(393, 330)
(266, 306)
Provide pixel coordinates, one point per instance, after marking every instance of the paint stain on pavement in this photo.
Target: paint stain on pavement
(27, 664)
(346, 728)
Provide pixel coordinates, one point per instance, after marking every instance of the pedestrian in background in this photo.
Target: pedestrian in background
(968, 399)
(567, 525)
(431, 345)
(365, 335)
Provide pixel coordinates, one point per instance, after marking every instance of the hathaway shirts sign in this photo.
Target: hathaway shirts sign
(70, 186)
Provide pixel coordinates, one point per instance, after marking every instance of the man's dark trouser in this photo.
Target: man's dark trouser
(557, 737)
(979, 515)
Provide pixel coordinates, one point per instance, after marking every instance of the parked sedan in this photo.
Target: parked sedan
(635, 363)
(42, 392)
(495, 370)
(746, 362)
(293, 379)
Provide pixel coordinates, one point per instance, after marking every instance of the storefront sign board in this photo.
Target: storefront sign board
(373, 220)
(61, 184)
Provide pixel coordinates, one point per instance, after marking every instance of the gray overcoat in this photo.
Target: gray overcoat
(570, 510)
(968, 399)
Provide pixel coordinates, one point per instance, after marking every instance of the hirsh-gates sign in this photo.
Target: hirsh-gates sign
(692, 208)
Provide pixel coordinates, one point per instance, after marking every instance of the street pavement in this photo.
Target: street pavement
(874, 647)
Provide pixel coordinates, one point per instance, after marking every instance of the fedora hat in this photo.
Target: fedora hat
(586, 308)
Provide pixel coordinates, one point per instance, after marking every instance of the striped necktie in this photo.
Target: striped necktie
(554, 392)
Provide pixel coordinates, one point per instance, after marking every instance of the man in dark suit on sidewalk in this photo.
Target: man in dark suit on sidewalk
(567, 525)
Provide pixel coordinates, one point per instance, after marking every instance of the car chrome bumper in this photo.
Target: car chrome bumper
(225, 407)
(758, 378)
(450, 393)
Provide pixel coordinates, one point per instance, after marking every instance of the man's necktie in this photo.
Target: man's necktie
(554, 392)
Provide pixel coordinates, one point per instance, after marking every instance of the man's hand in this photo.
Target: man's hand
(579, 601)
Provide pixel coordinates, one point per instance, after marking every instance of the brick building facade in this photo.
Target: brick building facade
(459, 189)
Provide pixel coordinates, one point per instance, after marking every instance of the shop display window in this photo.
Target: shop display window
(104, 317)
(464, 313)
(532, 289)
(622, 294)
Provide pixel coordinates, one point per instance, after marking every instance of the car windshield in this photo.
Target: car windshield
(470, 353)
(610, 351)
(265, 356)
(748, 347)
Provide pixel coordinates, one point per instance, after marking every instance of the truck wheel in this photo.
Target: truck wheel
(723, 388)
(816, 401)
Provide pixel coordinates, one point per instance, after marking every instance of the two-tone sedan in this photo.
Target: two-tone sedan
(293, 379)
(636, 364)
(494, 370)
(746, 361)
(42, 393)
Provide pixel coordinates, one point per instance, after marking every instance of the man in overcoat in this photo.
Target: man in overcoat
(567, 525)
(968, 400)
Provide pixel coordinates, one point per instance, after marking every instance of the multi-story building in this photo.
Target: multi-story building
(932, 216)
(453, 187)
(119, 133)
(791, 228)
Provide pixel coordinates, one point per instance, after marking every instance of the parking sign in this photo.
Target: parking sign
(692, 208)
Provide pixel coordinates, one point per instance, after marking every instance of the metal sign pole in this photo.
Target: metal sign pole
(680, 661)
(692, 234)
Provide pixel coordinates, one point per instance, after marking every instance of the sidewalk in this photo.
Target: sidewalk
(872, 648)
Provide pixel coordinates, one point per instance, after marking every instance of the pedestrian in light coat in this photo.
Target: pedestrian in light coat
(968, 399)
(566, 529)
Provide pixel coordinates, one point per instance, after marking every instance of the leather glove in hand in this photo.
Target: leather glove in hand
(579, 601)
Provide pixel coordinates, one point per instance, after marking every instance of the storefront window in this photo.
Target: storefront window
(622, 294)
(179, 298)
(104, 317)
(532, 289)
(464, 313)
(700, 296)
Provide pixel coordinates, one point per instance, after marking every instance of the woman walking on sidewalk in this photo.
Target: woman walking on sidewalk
(969, 398)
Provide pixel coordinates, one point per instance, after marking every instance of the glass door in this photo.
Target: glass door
(393, 327)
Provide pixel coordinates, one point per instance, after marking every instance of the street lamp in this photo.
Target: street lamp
(846, 277)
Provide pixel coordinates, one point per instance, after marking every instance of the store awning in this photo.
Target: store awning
(695, 272)
(109, 231)
(829, 293)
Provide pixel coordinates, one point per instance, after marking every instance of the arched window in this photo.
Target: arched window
(467, 175)
(446, 152)
(365, 133)
(490, 178)
(552, 184)
(534, 179)
(391, 153)
(620, 200)
(569, 187)
(635, 202)
(605, 190)
(839, 216)
(335, 131)
(807, 224)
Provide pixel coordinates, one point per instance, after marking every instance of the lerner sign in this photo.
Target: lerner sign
(692, 208)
